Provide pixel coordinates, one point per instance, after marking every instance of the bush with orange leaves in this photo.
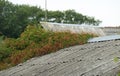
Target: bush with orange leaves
(37, 42)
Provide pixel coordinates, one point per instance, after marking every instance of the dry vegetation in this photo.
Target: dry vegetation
(36, 42)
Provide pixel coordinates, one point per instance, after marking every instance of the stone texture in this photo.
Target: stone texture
(92, 59)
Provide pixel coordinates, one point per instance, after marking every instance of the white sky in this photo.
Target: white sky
(108, 11)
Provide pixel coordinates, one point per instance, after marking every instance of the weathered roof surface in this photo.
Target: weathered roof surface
(93, 59)
(105, 38)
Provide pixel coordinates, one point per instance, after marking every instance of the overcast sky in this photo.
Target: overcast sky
(108, 11)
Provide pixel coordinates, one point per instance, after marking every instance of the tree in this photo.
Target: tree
(7, 12)
(15, 18)
(55, 16)
(72, 17)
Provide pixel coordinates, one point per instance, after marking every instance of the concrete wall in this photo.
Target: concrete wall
(74, 28)
(111, 30)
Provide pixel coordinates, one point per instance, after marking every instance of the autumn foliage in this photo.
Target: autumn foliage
(37, 42)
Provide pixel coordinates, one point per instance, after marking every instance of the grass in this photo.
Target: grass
(37, 42)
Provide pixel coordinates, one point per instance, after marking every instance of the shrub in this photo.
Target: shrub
(34, 34)
(37, 42)
(4, 52)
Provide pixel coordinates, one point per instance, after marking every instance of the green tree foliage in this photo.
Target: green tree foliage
(15, 18)
(55, 16)
(71, 17)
